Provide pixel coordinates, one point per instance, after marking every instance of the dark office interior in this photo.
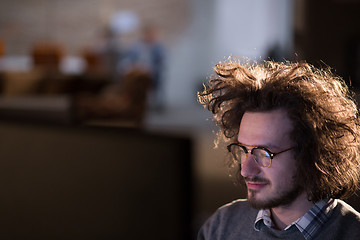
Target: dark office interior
(84, 155)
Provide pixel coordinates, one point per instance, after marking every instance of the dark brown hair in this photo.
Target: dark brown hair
(325, 117)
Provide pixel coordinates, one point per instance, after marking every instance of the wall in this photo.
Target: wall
(329, 32)
(76, 23)
(198, 33)
(221, 28)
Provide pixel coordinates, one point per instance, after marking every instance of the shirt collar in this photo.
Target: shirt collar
(309, 224)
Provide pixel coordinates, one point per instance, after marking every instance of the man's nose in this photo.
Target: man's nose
(249, 167)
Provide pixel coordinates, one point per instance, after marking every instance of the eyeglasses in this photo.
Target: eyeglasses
(262, 156)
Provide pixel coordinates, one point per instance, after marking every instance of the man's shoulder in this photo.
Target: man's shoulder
(240, 205)
(231, 219)
(233, 212)
(236, 209)
(343, 224)
(348, 212)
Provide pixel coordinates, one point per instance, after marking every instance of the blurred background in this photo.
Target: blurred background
(101, 132)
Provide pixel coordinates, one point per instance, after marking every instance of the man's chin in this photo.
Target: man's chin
(257, 201)
(258, 204)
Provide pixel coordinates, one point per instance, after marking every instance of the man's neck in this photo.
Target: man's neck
(283, 216)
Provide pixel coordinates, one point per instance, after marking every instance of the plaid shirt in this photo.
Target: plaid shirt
(309, 224)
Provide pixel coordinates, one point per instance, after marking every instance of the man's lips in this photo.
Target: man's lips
(255, 185)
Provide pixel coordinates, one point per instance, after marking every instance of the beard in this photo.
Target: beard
(282, 197)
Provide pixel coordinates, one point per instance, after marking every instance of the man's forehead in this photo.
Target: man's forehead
(276, 115)
(265, 128)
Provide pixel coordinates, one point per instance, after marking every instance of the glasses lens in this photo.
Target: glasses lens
(262, 157)
(238, 153)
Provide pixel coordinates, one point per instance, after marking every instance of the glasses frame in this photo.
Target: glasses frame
(243, 146)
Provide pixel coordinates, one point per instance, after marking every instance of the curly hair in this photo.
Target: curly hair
(320, 105)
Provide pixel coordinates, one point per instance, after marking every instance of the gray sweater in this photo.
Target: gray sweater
(235, 221)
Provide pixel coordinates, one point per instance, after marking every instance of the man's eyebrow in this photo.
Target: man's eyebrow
(267, 146)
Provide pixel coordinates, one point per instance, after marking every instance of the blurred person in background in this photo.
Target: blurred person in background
(149, 55)
(112, 53)
(294, 136)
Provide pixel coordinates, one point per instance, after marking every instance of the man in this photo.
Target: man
(294, 135)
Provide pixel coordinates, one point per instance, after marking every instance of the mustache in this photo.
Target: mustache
(256, 179)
